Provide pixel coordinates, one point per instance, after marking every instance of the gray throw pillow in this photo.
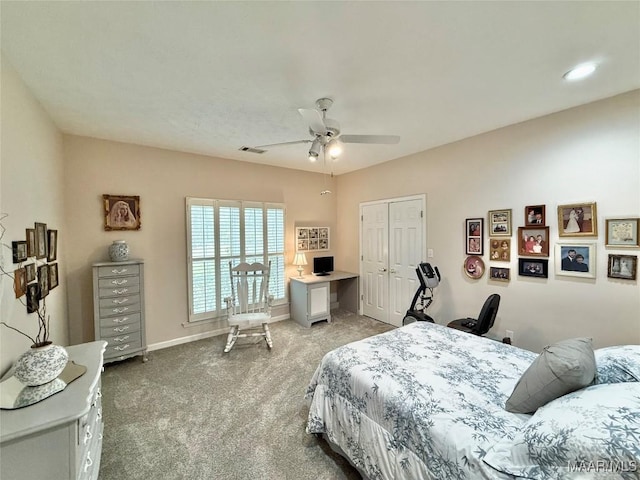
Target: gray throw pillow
(561, 368)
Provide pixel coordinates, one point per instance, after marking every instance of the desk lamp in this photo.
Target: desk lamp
(299, 260)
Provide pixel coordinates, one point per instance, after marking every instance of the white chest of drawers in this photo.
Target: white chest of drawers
(61, 436)
(118, 308)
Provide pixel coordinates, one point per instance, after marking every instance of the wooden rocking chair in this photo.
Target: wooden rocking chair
(249, 306)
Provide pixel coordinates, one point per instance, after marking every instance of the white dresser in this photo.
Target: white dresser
(61, 436)
(118, 308)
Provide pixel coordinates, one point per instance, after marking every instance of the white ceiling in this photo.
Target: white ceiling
(210, 77)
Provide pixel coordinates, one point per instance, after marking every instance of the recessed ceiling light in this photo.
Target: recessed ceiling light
(581, 71)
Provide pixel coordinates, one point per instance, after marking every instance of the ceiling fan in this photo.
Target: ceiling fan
(326, 134)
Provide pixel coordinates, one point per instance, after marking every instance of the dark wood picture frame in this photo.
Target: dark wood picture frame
(30, 270)
(31, 242)
(52, 242)
(535, 215)
(121, 212)
(33, 297)
(474, 236)
(53, 276)
(578, 220)
(43, 280)
(499, 274)
(533, 267)
(41, 240)
(624, 267)
(500, 223)
(20, 282)
(19, 251)
(533, 241)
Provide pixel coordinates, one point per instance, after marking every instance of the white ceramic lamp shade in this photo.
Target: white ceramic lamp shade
(299, 260)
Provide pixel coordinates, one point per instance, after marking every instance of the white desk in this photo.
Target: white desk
(310, 296)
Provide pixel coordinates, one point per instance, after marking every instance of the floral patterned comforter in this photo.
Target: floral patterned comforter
(420, 402)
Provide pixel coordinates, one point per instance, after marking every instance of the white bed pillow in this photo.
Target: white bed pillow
(590, 430)
(561, 368)
(620, 363)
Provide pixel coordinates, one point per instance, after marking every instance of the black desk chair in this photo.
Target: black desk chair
(485, 320)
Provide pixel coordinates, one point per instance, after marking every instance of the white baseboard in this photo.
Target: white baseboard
(200, 336)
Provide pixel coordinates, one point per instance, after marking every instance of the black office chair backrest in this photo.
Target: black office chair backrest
(487, 315)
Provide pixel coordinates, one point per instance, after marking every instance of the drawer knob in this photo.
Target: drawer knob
(120, 310)
(121, 329)
(87, 435)
(121, 339)
(121, 347)
(120, 320)
(119, 282)
(120, 301)
(119, 271)
(120, 291)
(87, 463)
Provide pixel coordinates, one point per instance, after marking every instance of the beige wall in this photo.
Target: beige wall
(163, 179)
(31, 191)
(590, 153)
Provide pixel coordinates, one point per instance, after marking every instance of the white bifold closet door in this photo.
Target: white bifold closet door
(393, 244)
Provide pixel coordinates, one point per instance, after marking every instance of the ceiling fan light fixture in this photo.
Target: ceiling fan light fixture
(335, 148)
(581, 71)
(314, 151)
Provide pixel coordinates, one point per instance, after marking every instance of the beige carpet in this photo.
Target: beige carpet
(192, 412)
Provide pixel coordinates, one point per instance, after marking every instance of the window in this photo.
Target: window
(222, 231)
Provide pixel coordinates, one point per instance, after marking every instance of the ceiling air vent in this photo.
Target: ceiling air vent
(251, 150)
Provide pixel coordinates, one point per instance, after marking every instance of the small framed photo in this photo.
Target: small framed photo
(576, 259)
(31, 242)
(121, 212)
(53, 276)
(41, 240)
(43, 280)
(474, 239)
(624, 267)
(20, 282)
(500, 249)
(533, 267)
(533, 241)
(33, 297)
(534, 215)
(578, 220)
(622, 232)
(474, 267)
(500, 223)
(52, 241)
(499, 274)
(30, 270)
(19, 250)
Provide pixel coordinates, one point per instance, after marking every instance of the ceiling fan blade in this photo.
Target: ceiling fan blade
(283, 143)
(314, 120)
(380, 139)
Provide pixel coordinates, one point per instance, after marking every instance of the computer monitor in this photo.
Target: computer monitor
(322, 265)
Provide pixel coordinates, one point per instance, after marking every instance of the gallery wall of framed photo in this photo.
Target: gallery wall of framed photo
(309, 239)
(574, 253)
(37, 271)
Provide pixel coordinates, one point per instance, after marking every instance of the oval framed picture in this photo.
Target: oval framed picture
(474, 267)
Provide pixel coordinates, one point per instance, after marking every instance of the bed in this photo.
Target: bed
(428, 402)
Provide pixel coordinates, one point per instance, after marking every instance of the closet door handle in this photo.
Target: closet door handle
(382, 270)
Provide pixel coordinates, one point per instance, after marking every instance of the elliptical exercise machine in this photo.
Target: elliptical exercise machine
(429, 279)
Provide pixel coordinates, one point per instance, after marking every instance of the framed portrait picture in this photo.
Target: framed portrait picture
(53, 276)
(533, 241)
(30, 271)
(499, 274)
(576, 259)
(622, 232)
(41, 240)
(19, 251)
(52, 241)
(500, 223)
(624, 267)
(474, 236)
(533, 267)
(578, 220)
(31, 242)
(121, 212)
(474, 267)
(534, 215)
(43, 280)
(500, 249)
(20, 282)
(312, 238)
(33, 298)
